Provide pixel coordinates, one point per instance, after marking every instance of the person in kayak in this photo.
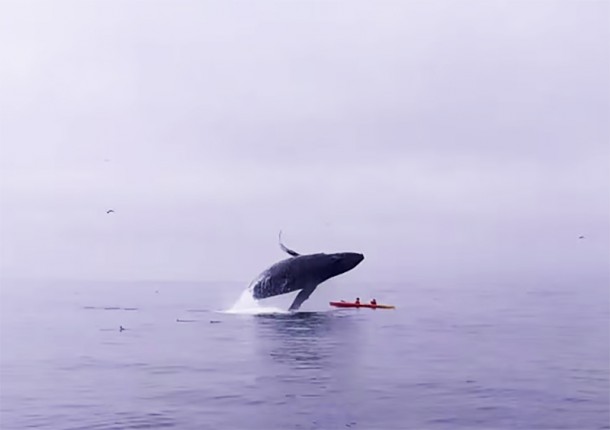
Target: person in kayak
(357, 300)
(374, 302)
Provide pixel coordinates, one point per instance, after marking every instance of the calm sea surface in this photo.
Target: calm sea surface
(484, 356)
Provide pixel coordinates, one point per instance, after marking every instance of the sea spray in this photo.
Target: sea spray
(246, 304)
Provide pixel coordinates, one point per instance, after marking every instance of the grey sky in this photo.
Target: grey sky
(433, 136)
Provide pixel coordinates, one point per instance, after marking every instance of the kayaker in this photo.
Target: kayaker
(357, 300)
(374, 302)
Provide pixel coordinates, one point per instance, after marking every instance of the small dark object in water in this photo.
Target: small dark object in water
(121, 328)
(214, 321)
(110, 211)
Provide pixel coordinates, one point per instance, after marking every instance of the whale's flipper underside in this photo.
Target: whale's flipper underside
(288, 250)
(301, 297)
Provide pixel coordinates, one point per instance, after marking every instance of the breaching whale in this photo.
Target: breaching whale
(301, 272)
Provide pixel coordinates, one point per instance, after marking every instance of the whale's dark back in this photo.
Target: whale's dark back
(302, 272)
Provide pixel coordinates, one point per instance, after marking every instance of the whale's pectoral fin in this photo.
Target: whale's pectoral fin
(285, 249)
(289, 251)
(301, 297)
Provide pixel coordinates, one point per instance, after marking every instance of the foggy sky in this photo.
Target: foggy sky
(435, 137)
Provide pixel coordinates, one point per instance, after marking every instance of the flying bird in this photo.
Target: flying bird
(110, 211)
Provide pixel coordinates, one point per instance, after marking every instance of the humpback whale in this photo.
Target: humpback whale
(301, 272)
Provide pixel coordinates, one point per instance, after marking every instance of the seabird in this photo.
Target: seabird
(109, 211)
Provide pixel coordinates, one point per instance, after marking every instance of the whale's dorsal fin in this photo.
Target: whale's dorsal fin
(285, 249)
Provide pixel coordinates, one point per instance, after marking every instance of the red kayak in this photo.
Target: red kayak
(360, 305)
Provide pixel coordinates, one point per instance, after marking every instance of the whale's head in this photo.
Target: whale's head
(331, 265)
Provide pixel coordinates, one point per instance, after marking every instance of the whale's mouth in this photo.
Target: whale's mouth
(248, 305)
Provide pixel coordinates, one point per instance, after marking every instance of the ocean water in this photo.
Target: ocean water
(485, 355)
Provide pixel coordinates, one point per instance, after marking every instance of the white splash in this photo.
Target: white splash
(246, 304)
